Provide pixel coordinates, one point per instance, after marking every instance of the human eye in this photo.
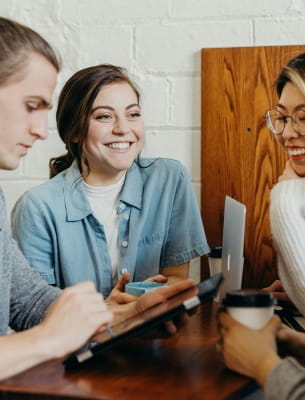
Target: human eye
(300, 116)
(104, 117)
(31, 106)
(134, 114)
(278, 116)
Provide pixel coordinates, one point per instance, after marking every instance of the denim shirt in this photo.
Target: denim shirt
(159, 226)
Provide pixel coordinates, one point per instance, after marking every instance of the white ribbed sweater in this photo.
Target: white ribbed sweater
(287, 217)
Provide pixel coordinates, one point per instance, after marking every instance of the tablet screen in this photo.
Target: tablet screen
(146, 320)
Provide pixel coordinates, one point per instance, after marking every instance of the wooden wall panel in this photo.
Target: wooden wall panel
(239, 156)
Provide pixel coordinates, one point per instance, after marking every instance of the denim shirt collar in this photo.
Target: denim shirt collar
(76, 200)
(132, 192)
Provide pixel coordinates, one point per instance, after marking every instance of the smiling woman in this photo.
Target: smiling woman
(287, 197)
(108, 215)
(115, 136)
(290, 126)
(254, 352)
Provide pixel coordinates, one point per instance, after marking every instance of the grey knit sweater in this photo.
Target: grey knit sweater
(286, 381)
(24, 296)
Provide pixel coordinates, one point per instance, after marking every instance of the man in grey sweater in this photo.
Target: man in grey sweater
(53, 323)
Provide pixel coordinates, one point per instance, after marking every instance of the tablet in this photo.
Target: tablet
(146, 320)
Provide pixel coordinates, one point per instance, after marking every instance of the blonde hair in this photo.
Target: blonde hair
(293, 72)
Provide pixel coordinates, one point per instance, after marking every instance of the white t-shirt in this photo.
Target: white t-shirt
(103, 202)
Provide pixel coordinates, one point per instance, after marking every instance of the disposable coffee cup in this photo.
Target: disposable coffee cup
(252, 308)
(215, 260)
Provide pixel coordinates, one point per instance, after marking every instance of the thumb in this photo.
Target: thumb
(273, 325)
(275, 286)
(157, 278)
(122, 281)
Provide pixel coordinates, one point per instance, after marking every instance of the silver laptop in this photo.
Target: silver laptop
(232, 245)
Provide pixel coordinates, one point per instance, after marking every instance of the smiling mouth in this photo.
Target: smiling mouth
(121, 146)
(296, 152)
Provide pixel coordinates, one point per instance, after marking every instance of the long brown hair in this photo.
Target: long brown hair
(74, 110)
(17, 41)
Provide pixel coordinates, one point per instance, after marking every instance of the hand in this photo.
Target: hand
(247, 351)
(294, 341)
(150, 299)
(288, 173)
(276, 288)
(77, 314)
(118, 294)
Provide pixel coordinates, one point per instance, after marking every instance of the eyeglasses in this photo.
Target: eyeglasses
(276, 121)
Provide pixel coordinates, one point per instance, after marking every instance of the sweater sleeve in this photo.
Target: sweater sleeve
(31, 296)
(286, 381)
(25, 296)
(287, 217)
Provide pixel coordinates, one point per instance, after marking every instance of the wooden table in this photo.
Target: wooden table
(184, 367)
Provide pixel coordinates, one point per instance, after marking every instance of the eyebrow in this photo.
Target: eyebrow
(112, 109)
(284, 108)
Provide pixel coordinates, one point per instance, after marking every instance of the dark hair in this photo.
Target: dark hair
(17, 41)
(74, 110)
(293, 72)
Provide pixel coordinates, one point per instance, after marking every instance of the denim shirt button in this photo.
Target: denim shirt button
(124, 243)
(124, 270)
(126, 217)
(122, 206)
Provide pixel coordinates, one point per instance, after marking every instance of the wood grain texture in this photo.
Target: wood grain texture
(185, 366)
(239, 156)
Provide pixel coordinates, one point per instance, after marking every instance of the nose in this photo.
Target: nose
(289, 131)
(39, 126)
(121, 127)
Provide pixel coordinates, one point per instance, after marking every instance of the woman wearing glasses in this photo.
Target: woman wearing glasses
(254, 353)
(287, 123)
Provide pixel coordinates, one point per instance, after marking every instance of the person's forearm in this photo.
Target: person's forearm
(20, 351)
(176, 273)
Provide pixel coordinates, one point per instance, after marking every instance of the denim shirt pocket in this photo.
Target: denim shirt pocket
(149, 256)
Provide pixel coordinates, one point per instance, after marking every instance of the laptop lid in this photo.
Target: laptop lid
(232, 245)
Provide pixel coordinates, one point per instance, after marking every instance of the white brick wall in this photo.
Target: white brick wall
(159, 42)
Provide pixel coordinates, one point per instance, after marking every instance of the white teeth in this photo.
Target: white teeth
(296, 152)
(119, 145)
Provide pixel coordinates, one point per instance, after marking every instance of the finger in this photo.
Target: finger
(275, 286)
(273, 325)
(122, 282)
(282, 296)
(157, 278)
(287, 334)
(170, 327)
(161, 294)
(171, 290)
(122, 298)
(225, 320)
